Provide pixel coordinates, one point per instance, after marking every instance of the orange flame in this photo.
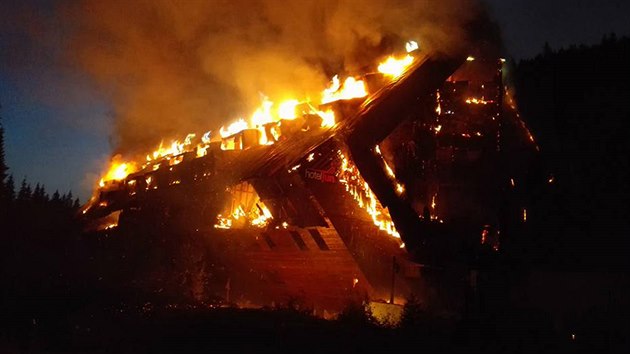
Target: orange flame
(394, 67)
(351, 88)
(263, 218)
(118, 171)
(262, 115)
(233, 128)
(474, 100)
(266, 113)
(365, 198)
(286, 109)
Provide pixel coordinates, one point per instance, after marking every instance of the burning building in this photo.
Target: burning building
(401, 169)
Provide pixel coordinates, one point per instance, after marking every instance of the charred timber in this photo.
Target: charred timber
(376, 119)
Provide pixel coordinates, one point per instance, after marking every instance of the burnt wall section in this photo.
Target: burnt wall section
(371, 248)
(377, 119)
(288, 199)
(283, 266)
(159, 259)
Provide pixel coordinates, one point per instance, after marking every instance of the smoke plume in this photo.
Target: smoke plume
(173, 67)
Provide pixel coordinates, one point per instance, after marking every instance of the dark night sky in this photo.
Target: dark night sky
(57, 129)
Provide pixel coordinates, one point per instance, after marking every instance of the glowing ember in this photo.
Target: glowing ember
(484, 236)
(223, 223)
(400, 189)
(389, 170)
(438, 108)
(473, 100)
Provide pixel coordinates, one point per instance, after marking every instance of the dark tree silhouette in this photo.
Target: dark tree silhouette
(56, 198)
(10, 188)
(577, 102)
(3, 166)
(25, 193)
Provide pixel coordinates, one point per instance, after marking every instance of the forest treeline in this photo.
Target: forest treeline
(576, 101)
(39, 252)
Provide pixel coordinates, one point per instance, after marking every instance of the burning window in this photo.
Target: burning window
(244, 208)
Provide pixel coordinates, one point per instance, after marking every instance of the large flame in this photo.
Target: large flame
(267, 113)
(394, 67)
(263, 218)
(351, 88)
(328, 118)
(118, 171)
(287, 109)
(262, 115)
(364, 197)
(233, 128)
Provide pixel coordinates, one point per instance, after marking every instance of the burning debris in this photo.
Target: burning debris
(366, 165)
(360, 191)
(266, 125)
(279, 170)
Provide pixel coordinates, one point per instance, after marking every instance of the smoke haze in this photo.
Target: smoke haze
(172, 67)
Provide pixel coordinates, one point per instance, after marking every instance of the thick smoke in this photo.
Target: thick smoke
(172, 67)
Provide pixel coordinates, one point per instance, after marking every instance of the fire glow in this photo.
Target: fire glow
(393, 67)
(400, 189)
(364, 197)
(481, 101)
(351, 88)
(267, 118)
(268, 113)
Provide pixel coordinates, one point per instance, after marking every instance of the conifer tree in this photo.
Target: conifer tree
(10, 189)
(56, 197)
(3, 166)
(25, 192)
(38, 194)
(77, 204)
